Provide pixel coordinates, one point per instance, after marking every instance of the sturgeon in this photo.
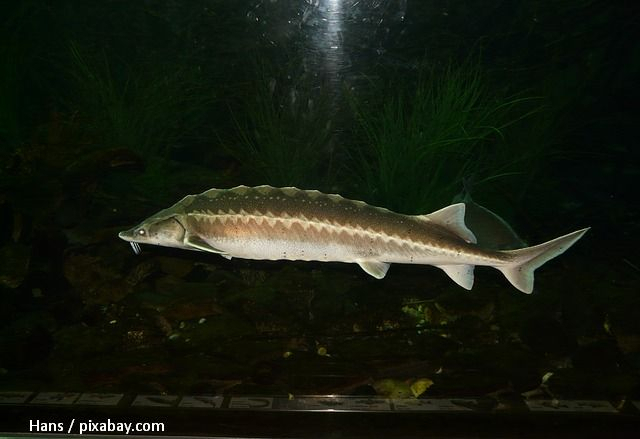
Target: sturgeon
(287, 223)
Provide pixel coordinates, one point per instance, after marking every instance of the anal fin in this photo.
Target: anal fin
(376, 269)
(460, 274)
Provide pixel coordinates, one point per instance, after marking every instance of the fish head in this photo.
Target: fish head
(163, 231)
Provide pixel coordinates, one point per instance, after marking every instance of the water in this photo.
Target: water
(113, 111)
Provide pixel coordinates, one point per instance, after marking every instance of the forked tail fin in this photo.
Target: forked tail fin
(525, 260)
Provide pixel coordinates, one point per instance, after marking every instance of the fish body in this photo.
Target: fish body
(268, 223)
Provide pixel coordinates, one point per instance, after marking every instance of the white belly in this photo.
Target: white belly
(283, 249)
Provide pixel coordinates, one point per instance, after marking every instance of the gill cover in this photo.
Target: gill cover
(167, 232)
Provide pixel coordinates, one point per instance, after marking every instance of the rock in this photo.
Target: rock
(25, 343)
(180, 300)
(15, 264)
(546, 335)
(95, 281)
(391, 388)
(452, 305)
(628, 343)
(174, 266)
(601, 355)
(622, 322)
(79, 341)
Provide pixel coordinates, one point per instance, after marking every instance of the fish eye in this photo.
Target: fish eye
(141, 232)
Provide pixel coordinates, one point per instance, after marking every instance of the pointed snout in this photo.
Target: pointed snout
(126, 235)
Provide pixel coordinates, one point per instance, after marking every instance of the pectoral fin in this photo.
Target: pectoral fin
(198, 243)
(376, 269)
(460, 274)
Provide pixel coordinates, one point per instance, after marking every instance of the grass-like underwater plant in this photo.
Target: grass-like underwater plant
(145, 107)
(283, 129)
(426, 136)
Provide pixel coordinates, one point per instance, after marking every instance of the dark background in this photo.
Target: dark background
(113, 110)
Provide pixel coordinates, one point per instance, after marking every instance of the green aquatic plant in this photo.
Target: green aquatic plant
(283, 129)
(146, 107)
(423, 137)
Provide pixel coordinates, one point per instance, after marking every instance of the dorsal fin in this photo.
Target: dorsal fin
(452, 217)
